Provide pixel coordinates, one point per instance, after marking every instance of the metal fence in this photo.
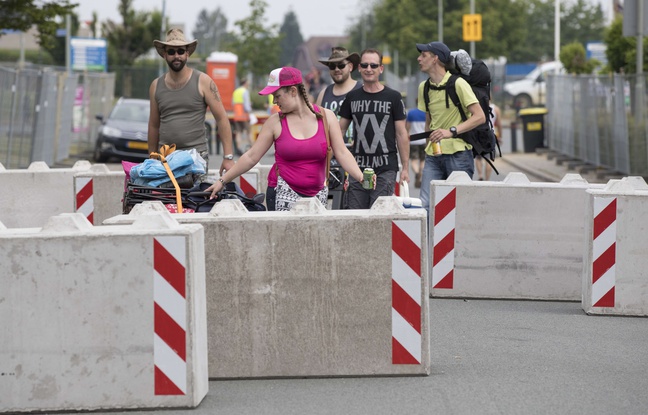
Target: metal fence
(47, 114)
(600, 120)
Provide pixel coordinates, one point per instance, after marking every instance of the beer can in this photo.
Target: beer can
(367, 178)
(436, 148)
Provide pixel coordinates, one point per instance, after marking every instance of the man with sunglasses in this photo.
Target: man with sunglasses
(378, 115)
(341, 63)
(179, 101)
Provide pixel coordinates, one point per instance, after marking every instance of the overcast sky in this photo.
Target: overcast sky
(322, 18)
(316, 18)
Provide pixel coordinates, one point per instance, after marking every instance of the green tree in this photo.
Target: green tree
(56, 48)
(23, 14)
(257, 46)
(363, 33)
(290, 40)
(403, 23)
(574, 59)
(582, 22)
(417, 22)
(620, 49)
(134, 36)
(210, 31)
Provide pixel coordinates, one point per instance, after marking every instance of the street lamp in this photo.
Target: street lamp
(162, 36)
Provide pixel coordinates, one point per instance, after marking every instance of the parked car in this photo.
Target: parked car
(123, 134)
(531, 90)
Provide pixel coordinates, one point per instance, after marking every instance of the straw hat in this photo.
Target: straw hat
(175, 37)
(338, 54)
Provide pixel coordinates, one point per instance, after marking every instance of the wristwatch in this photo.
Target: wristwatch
(228, 156)
(453, 130)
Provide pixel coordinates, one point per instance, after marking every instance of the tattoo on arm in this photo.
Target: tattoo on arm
(214, 91)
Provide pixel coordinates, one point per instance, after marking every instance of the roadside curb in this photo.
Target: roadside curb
(510, 159)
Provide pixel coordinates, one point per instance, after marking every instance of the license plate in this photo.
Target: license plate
(138, 145)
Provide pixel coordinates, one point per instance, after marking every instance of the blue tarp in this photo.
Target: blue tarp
(152, 173)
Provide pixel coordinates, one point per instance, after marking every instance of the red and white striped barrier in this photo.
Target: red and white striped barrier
(122, 309)
(512, 239)
(29, 197)
(445, 204)
(604, 251)
(306, 310)
(84, 197)
(170, 340)
(249, 183)
(98, 193)
(406, 292)
(614, 279)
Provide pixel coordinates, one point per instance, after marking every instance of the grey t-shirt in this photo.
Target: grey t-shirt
(334, 102)
(182, 114)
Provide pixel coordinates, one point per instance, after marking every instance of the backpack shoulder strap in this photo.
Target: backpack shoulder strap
(451, 90)
(426, 95)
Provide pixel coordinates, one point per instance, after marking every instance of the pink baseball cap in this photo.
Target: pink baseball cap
(281, 77)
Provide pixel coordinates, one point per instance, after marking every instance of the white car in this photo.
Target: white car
(531, 90)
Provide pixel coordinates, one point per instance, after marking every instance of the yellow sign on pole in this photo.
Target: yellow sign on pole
(472, 27)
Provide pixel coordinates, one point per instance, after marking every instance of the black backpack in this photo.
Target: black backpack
(482, 138)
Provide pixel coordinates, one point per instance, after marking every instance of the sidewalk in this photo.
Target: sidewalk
(540, 165)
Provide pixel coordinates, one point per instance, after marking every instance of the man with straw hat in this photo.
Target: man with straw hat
(179, 101)
(341, 63)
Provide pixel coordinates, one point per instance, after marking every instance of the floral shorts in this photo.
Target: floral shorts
(286, 197)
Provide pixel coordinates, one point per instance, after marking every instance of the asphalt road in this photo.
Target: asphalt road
(488, 357)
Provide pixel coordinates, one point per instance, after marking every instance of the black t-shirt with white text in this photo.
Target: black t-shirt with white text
(374, 117)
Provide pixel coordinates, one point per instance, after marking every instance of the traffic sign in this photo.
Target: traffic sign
(472, 27)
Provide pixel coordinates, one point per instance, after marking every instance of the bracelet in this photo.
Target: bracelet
(220, 179)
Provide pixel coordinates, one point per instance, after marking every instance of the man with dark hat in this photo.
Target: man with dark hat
(179, 101)
(341, 63)
(444, 118)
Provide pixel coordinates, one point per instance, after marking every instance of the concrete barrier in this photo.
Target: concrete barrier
(98, 193)
(313, 292)
(249, 182)
(615, 266)
(29, 197)
(509, 240)
(102, 317)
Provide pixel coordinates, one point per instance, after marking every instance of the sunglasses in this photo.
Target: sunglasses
(172, 52)
(366, 65)
(332, 66)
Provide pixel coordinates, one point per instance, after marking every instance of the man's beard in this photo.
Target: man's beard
(178, 68)
(342, 79)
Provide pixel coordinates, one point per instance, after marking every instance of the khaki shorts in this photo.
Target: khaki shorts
(417, 152)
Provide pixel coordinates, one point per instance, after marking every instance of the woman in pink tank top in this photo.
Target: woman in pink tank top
(298, 134)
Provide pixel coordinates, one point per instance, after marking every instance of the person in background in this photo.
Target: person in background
(340, 64)
(415, 124)
(242, 111)
(480, 164)
(298, 134)
(444, 119)
(378, 114)
(314, 83)
(272, 107)
(179, 101)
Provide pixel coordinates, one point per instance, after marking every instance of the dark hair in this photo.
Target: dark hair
(372, 50)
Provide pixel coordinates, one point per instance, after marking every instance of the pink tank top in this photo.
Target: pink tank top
(302, 162)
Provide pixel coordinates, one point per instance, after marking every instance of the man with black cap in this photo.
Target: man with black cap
(444, 119)
(341, 63)
(179, 101)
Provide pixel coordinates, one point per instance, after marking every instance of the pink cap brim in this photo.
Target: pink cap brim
(269, 90)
